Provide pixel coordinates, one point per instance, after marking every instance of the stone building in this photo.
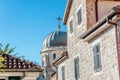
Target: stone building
(53, 46)
(93, 37)
(18, 69)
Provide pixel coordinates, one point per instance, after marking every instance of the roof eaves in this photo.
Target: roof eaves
(63, 57)
(116, 10)
(23, 70)
(67, 10)
(97, 25)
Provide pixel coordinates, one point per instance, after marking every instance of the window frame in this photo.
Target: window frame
(63, 72)
(54, 56)
(97, 67)
(71, 19)
(15, 77)
(79, 9)
(71, 26)
(76, 68)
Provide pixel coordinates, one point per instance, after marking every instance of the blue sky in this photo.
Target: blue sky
(25, 24)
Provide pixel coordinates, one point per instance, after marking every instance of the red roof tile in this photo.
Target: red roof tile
(18, 64)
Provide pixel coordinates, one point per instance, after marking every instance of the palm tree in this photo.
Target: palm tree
(6, 50)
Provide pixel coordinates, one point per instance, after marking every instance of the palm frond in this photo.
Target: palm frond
(16, 54)
(21, 56)
(6, 48)
(1, 49)
(11, 50)
(1, 45)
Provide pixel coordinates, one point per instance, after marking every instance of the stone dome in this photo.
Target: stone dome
(56, 38)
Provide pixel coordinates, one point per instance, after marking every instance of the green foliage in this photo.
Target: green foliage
(2, 59)
(6, 50)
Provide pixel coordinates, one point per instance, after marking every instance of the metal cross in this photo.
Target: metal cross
(59, 19)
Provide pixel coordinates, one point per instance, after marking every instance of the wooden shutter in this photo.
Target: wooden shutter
(79, 14)
(97, 57)
(63, 72)
(76, 68)
(71, 26)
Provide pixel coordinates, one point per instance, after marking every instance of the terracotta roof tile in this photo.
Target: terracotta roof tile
(12, 62)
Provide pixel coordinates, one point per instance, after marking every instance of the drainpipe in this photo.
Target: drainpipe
(117, 37)
(96, 10)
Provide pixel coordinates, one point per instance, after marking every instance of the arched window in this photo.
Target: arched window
(54, 56)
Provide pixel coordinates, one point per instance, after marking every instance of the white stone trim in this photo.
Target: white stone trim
(75, 56)
(96, 41)
(79, 8)
(62, 64)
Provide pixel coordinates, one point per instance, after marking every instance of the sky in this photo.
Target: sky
(24, 24)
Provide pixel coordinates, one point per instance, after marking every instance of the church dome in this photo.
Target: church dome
(56, 38)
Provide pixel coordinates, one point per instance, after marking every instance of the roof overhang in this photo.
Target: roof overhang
(67, 10)
(102, 25)
(23, 70)
(60, 59)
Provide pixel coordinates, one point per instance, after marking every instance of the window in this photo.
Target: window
(71, 26)
(97, 57)
(42, 63)
(63, 72)
(76, 68)
(79, 16)
(14, 78)
(54, 56)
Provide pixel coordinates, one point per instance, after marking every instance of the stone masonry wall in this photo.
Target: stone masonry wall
(77, 47)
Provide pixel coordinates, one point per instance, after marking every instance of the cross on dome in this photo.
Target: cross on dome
(59, 19)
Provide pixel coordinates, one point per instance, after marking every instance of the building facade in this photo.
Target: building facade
(92, 41)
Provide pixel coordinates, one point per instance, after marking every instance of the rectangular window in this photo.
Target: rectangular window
(14, 78)
(79, 15)
(97, 57)
(71, 26)
(63, 72)
(76, 68)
